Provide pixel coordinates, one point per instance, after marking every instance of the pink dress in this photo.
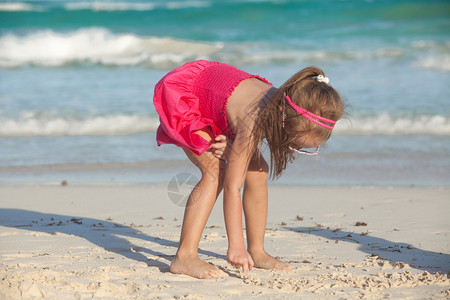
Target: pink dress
(193, 97)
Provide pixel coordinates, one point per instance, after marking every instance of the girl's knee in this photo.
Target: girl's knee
(214, 171)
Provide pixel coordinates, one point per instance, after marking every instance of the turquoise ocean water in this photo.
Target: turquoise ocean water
(77, 79)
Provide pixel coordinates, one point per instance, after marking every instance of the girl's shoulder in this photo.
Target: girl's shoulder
(246, 100)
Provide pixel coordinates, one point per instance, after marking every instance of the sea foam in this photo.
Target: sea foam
(385, 124)
(433, 55)
(134, 6)
(109, 6)
(97, 46)
(19, 6)
(29, 124)
(49, 48)
(33, 124)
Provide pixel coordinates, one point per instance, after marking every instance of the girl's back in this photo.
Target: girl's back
(194, 97)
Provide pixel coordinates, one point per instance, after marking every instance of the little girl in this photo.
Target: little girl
(203, 104)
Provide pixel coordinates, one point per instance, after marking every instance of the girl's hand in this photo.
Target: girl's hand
(240, 258)
(218, 148)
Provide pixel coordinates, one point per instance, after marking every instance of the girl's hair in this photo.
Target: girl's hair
(306, 92)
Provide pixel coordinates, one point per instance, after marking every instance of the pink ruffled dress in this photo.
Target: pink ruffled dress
(193, 97)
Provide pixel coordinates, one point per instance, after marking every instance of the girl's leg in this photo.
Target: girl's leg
(255, 210)
(197, 211)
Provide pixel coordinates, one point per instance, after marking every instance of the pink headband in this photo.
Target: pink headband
(309, 115)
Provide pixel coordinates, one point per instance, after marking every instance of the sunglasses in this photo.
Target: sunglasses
(304, 152)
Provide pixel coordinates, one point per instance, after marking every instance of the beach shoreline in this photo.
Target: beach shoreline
(117, 241)
(90, 206)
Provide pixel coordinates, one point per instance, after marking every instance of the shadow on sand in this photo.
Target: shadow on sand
(112, 237)
(109, 235)
(391, 251)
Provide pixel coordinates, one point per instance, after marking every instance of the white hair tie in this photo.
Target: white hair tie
(321, 78)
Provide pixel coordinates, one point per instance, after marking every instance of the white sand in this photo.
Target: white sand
(116, 242)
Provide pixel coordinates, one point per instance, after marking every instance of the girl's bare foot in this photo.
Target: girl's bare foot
(263, 260)
(195, 267)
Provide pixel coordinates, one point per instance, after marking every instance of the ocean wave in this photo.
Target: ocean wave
(30, 124)
(433, 55)
(385, 124)
(104, 6)
(109, 6)
(33, 124)
(19, 6)
(439, 63)
(145, 6)
(98, 46)
(136, 6)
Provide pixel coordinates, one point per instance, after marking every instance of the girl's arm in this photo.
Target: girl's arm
(238, 161)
